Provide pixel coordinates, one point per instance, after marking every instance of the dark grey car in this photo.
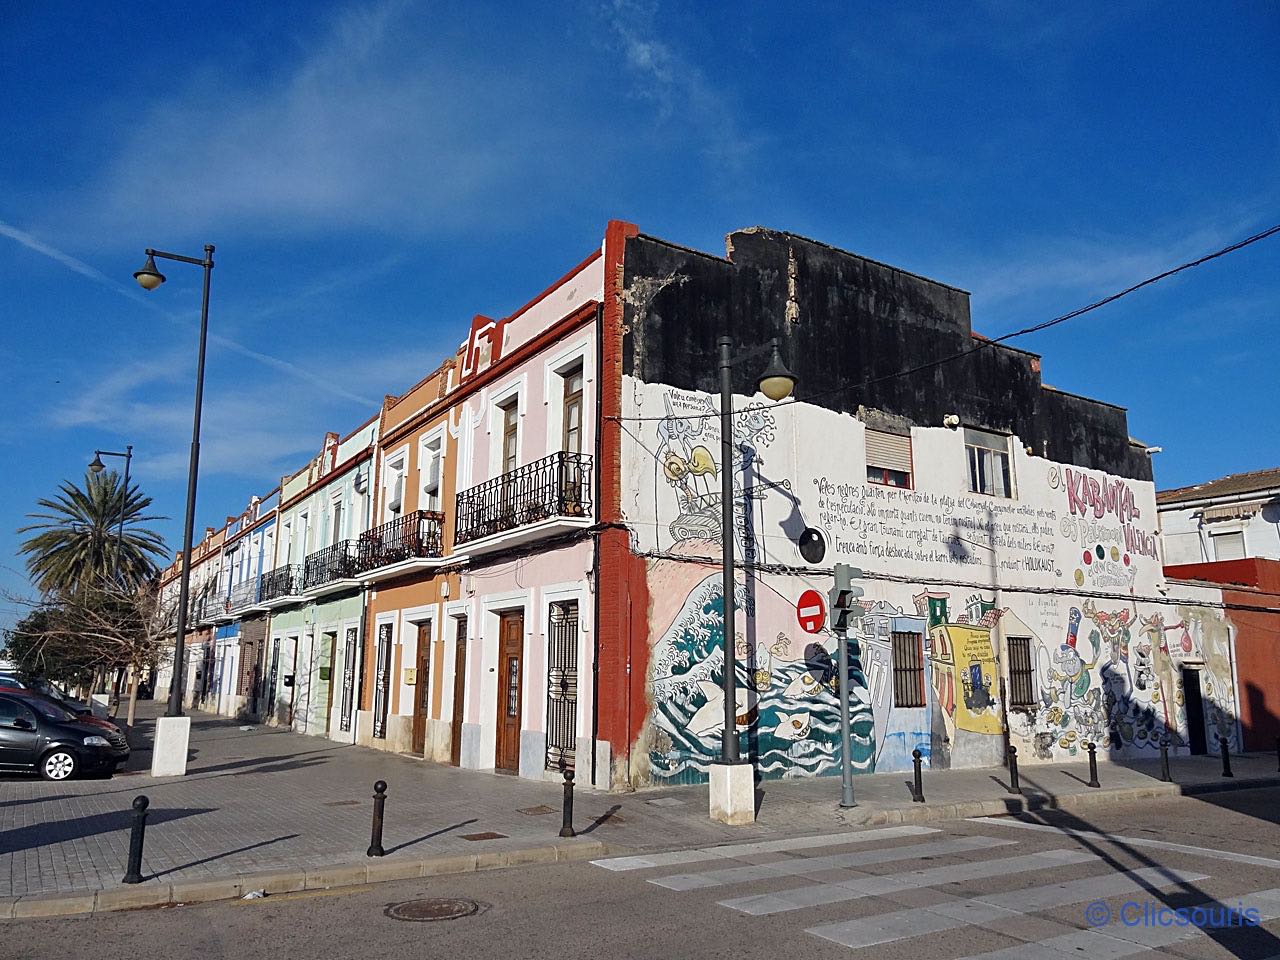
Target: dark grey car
(40, 736)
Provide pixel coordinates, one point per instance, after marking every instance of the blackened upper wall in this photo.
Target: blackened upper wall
(843, 321)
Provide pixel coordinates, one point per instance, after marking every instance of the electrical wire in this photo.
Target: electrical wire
(989, 342)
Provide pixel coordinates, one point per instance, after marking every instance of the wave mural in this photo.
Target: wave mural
(788, 716)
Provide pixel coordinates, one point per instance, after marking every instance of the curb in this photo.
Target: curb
(183, 892)
(1032, 800)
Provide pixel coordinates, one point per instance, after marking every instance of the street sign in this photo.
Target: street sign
(811, 611)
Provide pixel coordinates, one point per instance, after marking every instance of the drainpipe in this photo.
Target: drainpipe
(362, 635)
(595, 557)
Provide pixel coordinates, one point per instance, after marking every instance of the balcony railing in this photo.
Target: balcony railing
(280, 582)
(243, 595)
(415, 535)
(338, 562)
(555, 486)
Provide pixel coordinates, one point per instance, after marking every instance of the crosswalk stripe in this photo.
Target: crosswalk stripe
(1132, 841)
(1118, 940)
(844, 890)
(729, 851)
(800, 866)
(956, 912)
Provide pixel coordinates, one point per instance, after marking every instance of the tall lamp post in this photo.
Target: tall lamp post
(97, 466)
(732, 782)
(169, 756)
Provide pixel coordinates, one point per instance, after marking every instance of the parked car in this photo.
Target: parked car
(43, 688)
(38, 735)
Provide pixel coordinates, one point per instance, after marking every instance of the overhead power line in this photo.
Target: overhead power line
(986, 343)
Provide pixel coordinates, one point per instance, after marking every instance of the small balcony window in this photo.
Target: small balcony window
(888, 459)
(988, 455)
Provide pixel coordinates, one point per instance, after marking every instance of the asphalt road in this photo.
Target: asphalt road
(957, 889)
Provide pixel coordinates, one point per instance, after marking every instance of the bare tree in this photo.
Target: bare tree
(97, 630)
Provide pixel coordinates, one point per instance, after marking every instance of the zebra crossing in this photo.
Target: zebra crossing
(830, 871)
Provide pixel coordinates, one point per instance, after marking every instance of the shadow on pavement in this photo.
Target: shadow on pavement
(1237, 941)
(602, 819)
(428, 836)
(59, 831)
(220, 856)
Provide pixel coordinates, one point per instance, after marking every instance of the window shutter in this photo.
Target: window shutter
(888, 450)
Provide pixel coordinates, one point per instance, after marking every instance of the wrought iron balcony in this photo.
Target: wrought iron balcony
(281, 582)
(555, 486)
(338, 562)
(417, 535)
(243, 595)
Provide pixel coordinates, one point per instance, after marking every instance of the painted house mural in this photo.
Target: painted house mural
(988, 619)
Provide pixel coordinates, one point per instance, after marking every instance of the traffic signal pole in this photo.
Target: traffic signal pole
(843, 600)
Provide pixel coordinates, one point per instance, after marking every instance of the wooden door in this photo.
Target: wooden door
(422, 690)
(459, 689)
(510, 648)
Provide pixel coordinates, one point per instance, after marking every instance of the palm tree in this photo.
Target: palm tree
(74, 542)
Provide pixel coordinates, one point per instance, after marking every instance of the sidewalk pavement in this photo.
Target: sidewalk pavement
(263, 805)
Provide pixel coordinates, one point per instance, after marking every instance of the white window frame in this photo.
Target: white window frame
(517, 390)
(338, 513)
(1012, 492)
(1228, 530)
(911, 462)
(579, 354)
(394, 465)
(425, 453)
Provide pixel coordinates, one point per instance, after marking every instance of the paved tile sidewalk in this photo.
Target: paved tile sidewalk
(262, 799)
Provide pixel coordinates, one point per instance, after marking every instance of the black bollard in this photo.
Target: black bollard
(379, 801)
(1014, 785)
(566, 819)
(133, 871)
(1278, 753)
(917, 793)
(1226, 758)
(1165, 775)
(1093, 764)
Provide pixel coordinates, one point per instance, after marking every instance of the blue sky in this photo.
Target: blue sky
(374, 174)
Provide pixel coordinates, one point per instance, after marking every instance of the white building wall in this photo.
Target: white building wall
(1187, 539)
(1071, 563)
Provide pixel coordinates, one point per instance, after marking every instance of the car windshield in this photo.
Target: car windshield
(50, 711)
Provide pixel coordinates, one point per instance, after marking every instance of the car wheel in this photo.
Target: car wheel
(60, 764)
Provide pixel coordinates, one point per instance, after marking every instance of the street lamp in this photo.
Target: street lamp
(149, 278)
(732, 787)
(96, 467)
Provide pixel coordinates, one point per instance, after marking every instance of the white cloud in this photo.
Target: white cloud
(298, 371)
(378, 125)
(1087, 268)
(679, 89)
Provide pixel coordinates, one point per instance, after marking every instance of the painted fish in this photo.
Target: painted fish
(792, 726)
(709, 717)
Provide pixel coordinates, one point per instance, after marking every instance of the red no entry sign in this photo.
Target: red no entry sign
(811, 611)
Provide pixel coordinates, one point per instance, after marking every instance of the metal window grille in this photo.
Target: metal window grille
(908, 670)
(275, 672)
(348, 678)
(1022, 691)
(562, 685)
(382, 687)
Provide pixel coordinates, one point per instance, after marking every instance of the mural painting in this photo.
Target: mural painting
(788, 716)
(962, 571)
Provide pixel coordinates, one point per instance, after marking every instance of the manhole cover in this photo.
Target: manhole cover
(537, 811)
(487, 835)
(433, 908)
